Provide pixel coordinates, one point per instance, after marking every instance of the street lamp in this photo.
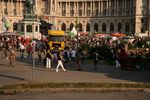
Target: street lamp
(33, 59)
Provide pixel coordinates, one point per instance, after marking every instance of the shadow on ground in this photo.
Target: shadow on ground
(108, 70)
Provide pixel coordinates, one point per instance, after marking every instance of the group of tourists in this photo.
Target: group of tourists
(72, 55)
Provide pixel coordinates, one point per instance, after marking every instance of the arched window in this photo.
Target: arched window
(88, 27)
(80, 27)
(111, 27)
(103, 27)
(15, 26)
(29, 28)
(96, 27)
(127, 27)
(63, 27)
(119, 27)
(71, 26)
(36, 28)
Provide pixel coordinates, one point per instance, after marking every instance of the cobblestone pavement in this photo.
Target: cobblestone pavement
(24, 72)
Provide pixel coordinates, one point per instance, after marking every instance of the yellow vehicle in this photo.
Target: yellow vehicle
(56, 39)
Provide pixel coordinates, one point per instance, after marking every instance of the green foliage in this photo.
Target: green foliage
(104, 51)
(84, 47)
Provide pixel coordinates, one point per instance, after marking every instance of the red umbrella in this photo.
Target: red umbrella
(118, 34)
(101, 35)
(83, 33)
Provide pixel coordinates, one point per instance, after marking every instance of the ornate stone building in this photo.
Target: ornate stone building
(105, 16)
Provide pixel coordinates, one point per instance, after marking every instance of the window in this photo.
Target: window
(119, 27)
(29, 28)
(71, 9)
(63, 12)
(36, 28)
(72, 13)
(14, 11)
(5, 11)
(15, 26)
(80, 27)
(111, 27)
(88, 27)
(63, 27)
(80, 12)
(71, 26)
(127, 27)
(96, 27)
(103, 27)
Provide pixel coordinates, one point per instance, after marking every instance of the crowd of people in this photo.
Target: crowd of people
(72, 55)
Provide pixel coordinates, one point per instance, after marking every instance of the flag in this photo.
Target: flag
(73, 32)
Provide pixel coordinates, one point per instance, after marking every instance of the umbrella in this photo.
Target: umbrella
(101, 35)
(83, 33)
(118, 34)
(7, 34)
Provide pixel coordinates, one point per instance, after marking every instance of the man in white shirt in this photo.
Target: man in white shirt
(22, 48)
(73, 56)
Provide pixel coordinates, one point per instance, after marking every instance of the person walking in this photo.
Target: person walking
(78, 60)
(39, 55)
(29, 50)
(12, 57)
(95, 58)
(60, 59)
(48, 59)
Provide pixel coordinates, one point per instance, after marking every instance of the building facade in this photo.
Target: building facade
(104, 16)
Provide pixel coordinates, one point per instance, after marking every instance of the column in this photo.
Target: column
(69, 9)
(99, 8)
(74, 8)
(91, 8)
(85, 8)
(56, 5)
(48, 7)
(117, 8)
(125, 7)
(109, 2)
(60, 9)
(1, 7)
(107, 8)
(20, 6)
(131, 7)
(51, 4)
(94, 8)
(8, 7)
(11, 6)
(66, 9)
(77, 8)
(122, 7)
(114, 7)
(102, 8)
